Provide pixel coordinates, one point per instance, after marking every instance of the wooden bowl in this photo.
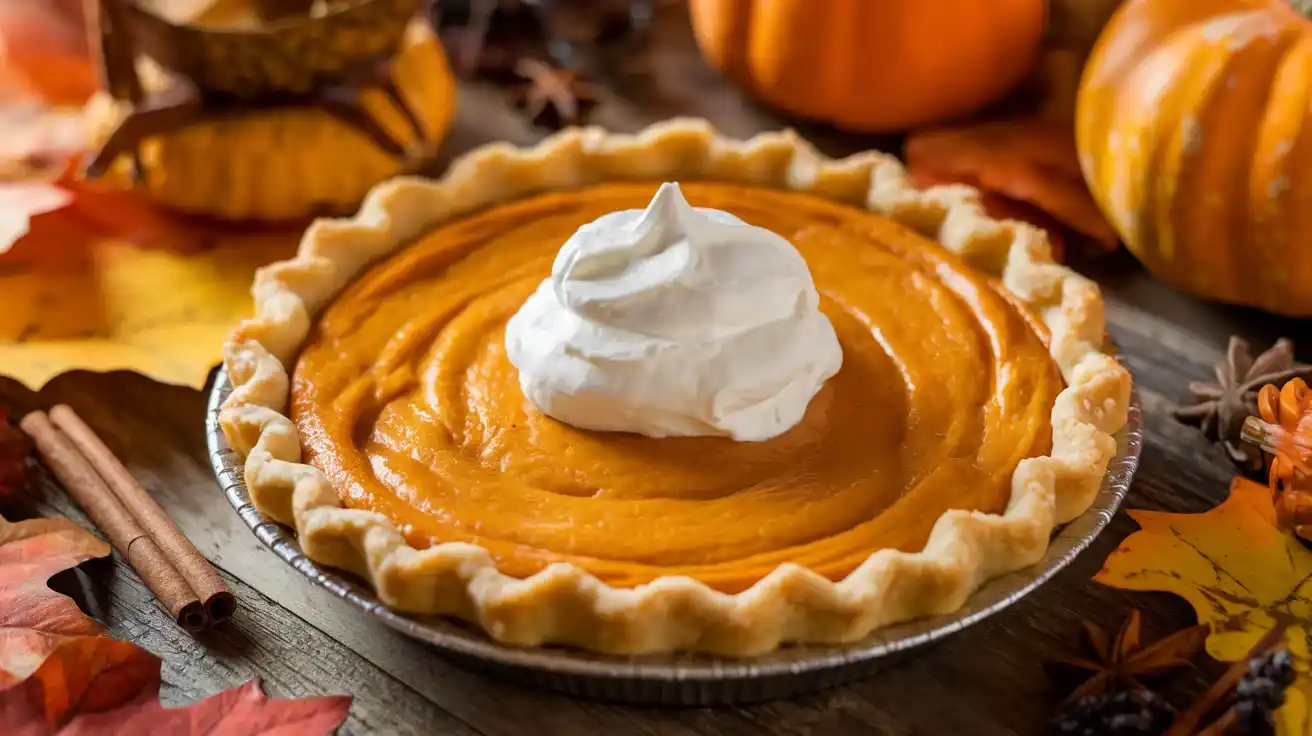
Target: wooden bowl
(289, 56)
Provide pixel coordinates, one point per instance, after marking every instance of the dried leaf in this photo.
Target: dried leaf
(1241, 574)
(98, 685)
(242, 710)
(22, 651)
(1029, 161)
(30, 552)
(124, 215)
(80, 675)
(105, 304)
(51, 660)
(43, 49)
(54, 668)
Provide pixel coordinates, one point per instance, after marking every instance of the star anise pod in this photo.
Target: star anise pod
(555, 97)
(1112, 664)
(1220, 408)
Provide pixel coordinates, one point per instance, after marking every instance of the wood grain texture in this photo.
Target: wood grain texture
(303, 641)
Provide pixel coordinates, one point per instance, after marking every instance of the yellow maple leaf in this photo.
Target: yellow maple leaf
(1241, 574)
(76, 301)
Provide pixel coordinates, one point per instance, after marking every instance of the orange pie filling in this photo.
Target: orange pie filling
(405, 399)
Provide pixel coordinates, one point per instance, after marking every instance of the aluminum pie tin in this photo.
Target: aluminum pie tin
(684, 679)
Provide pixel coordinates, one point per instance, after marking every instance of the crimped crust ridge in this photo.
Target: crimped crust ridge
(562, 604)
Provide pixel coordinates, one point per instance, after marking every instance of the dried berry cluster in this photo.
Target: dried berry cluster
(1125, 713)
(1112, 701)
(1262, 691)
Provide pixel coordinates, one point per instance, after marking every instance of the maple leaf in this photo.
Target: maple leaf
(51, 659)
(97, 685)
(75, 299)
(56, 672)
(78, 675)
(1241, 574)
(30, 552)
(241, 710)
(1031, 161)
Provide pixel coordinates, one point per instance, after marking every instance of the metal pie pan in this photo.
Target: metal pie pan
(683, 679)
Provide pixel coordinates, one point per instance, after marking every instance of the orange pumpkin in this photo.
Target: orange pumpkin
(1193, 131)
(872, 65)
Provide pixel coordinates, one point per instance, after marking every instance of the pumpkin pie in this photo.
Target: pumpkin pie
(385, 409)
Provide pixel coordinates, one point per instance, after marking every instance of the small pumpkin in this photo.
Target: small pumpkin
(872, 65)
(1192, 125)
(288, 162)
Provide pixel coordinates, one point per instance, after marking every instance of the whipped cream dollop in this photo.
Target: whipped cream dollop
(674, 321)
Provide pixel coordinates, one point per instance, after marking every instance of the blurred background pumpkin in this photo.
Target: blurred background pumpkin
(872, 65)
(1193, 133)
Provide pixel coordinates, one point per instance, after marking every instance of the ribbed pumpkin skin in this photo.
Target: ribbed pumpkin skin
(872, 65)
(1193, 130)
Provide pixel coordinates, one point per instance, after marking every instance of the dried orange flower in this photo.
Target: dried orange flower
(1285, 431)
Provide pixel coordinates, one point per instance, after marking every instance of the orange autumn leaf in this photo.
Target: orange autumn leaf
(51, 657)
(1241, 574)
(1029, 161)
(30, 553)
(58, 673)
(98, 685)
(242, 710)
(158, 297)
(79, 675)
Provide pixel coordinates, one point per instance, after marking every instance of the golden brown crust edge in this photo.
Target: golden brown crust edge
(565, 605)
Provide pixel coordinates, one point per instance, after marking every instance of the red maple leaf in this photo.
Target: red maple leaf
(58, 673)
(80, 675)
(98, 686)
(243, 710)
(30, 552)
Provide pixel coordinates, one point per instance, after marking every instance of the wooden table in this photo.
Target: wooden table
(300, 640)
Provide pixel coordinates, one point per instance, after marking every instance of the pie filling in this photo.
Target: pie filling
(405, 399)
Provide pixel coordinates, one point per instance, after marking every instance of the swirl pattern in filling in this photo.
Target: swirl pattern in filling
(405, 399)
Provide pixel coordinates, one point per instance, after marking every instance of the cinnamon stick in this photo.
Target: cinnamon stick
(182, 554)
(89, 490)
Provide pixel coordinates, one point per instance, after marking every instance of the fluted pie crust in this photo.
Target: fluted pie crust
(563, 604)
